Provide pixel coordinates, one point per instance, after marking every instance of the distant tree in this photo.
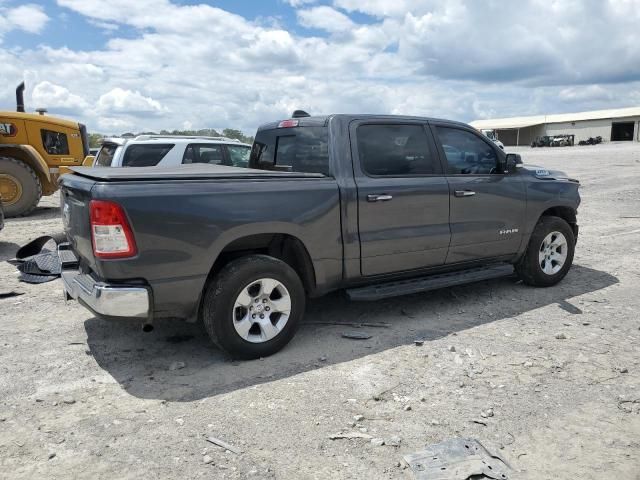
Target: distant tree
(95, 140)
(237, 134)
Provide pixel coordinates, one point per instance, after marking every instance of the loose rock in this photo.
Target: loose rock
(207, 459)
(177, 365)
(377, 442)
(561, 336)
(451, 348)
(69, 400)
(393, 441)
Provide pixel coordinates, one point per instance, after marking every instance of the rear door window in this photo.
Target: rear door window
(203, 153)
(145, 155)
(396, 150)
(105, 155)
(55, 143)
(298, 149)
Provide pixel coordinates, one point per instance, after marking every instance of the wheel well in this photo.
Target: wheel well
(568, 214)
(284, 247)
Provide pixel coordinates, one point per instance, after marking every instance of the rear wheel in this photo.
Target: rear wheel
(549, 254)
(253, 307)
(20, 187)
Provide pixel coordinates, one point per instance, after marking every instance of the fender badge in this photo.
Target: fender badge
(542, 173)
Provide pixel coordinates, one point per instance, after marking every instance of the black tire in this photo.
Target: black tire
(30, 183)
(528, 267)
(220, 296)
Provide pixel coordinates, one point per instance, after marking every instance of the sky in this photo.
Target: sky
(140, 65)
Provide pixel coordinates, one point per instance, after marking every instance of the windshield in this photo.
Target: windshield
(105, 155)
(298, 149)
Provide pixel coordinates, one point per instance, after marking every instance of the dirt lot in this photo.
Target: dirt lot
(85, 398)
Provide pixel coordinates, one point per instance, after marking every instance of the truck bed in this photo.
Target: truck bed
(199, 171)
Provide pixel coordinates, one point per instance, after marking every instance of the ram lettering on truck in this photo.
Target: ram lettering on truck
(374, 205)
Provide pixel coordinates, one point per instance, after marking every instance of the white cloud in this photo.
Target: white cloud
(30, 18)
(325, 18)
(48, 95)
(589, 93)
(119, 100)
(106, 26)
(299, 3)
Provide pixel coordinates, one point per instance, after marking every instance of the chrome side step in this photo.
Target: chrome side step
(431, 282)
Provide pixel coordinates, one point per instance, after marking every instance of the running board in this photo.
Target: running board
(431, 282)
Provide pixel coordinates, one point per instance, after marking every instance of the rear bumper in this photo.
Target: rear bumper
(106, 299)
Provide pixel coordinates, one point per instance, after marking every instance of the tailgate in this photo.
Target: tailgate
(75, 195)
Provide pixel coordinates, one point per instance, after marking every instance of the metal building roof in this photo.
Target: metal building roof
(521, 122)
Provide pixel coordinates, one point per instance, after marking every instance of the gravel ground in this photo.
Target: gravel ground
(548, 378)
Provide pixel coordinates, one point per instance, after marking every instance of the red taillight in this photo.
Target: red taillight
(288, 123)
(110, 231)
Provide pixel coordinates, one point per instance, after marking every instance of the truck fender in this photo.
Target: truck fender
(31, 157)
(267, 228)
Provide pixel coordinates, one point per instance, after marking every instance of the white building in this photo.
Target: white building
(622, 124)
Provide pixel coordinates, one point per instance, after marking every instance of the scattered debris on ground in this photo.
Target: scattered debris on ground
(457, 459)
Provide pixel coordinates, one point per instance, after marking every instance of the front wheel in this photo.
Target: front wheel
(549, 255)
(20, 187)
(252, 308)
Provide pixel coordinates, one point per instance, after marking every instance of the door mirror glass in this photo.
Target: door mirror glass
(512, 161)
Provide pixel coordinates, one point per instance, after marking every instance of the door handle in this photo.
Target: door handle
(379, 198)
(464, 193)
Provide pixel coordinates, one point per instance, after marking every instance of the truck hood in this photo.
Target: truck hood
(542, 173)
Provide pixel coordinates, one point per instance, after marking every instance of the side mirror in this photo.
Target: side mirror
(512, 162)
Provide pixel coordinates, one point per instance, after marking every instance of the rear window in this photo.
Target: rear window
(105, 155)
(145, 155)
(299, 149)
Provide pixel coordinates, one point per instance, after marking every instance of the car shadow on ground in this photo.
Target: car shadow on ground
(8, 250)
(41, 212)
(142, 362)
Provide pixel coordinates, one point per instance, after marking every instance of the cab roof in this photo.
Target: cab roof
(38, 118)
(323, 120)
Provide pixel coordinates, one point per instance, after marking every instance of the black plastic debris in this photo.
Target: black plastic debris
(457, 459)
(42, 259)
(48, 262)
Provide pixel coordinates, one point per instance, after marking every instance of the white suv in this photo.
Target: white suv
(166, 151)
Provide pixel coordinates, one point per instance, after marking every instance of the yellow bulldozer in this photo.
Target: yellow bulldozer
(35, 149)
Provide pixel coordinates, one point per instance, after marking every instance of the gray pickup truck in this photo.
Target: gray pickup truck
(375, 205)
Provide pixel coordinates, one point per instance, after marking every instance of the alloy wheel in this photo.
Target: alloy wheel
(553, 253)
(261, 310)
